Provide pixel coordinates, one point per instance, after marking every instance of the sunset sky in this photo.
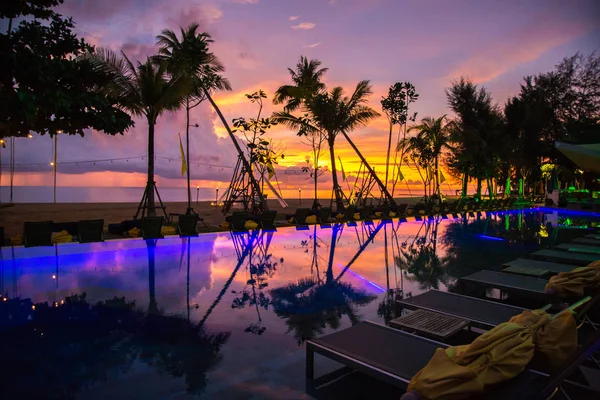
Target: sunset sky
(426, 42)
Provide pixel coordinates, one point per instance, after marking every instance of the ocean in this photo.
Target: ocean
(78, 194)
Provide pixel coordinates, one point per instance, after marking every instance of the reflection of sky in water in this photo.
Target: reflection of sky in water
(441, 251)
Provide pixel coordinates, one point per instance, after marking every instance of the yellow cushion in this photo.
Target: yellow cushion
(311, 219)
(339, 216)
(250, 225)
(134, 232)
(291, 220)
(16, 239)
(168, 230)
(378, 214)
(225, 225)
(356, 216)
(61, 237)
(392, 214)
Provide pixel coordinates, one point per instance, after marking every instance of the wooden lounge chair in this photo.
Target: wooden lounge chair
(91, 231)
(567, 257)
(151, 227)
(535, 268)
(394, 357)
(301, 215)
(237, 220)
(579, 248)
(37, 233)
(186, 225)
(587, 241)
(481, 313)
(366, 213)
(509, 283)
(323, 215)
(267, 220)
(401, 211)
(349, 213)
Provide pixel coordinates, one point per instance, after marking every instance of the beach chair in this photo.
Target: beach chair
(510, 283)
(267, 220)
(151, 227)
(535, 268)
(323, 215)
(186, 225)
(401, 211)
(394, 357)
(579, 248)
(366, 213)
(37, 233)
(587, 241)
(484, 314)
(566, 257)
(90, 231)
(349, 213)
(237, 220)
(300, 216)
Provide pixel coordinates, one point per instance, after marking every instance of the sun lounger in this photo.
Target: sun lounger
(267, 220)
(323, 215)
(535, 268)
(394, 357)
(483, 314)
(151, 227)
(567, 257)
(91, 231)
(579, 248)
(186, 225)
(587, 241)
(401, 211)
(366, 213)
(37, 233)
(593, 236)
(237, 220)
(508, 282)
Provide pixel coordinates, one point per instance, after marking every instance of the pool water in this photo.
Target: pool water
(226, 315)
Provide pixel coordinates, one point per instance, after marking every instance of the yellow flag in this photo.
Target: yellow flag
(183, 164)
(400, 175)
(342, 166)
(442, 177)
(428, 172)
(270, 169)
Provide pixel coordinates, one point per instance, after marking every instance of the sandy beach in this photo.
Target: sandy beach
(12, 217)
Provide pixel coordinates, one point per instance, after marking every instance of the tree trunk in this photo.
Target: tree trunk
(437, 177)
(150, 184)
(339, 203)
(366, 164)
(316, 187)
(479, 188)
(465, 184)
(187, 154)
(387, 159)
(253, 181)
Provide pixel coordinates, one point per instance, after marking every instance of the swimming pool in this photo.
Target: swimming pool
(225, 315)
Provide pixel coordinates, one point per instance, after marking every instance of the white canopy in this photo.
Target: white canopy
(586, 156)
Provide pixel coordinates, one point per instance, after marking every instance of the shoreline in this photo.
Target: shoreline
(13, 216)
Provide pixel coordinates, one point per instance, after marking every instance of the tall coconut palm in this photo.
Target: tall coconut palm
(190, 57)
(145, 89)
(435, 133)
(334, 113)
(306, 81)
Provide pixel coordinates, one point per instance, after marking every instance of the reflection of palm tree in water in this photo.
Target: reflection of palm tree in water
(262, 265)
(420, 259)
(312, 304)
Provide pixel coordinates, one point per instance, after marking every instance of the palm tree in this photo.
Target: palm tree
(144, 89)
(333, 113)
(435, 133)
(306, 84)
(190, 58)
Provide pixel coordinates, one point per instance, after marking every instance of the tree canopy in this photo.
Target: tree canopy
(45, 87)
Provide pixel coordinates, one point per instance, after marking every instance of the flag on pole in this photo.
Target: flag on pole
(342, 167)
(442, 177)
(183, 164)
(429, 173)
(400, 175)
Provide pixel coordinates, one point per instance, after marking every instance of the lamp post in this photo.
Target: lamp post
(197, 192)
(53, 163)
(300, 196)
(217, 198)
